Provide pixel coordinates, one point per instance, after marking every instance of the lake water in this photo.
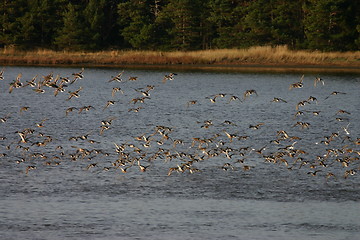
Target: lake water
(288, 169)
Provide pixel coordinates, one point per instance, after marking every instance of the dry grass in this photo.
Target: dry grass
(265, 55)
(279, 55)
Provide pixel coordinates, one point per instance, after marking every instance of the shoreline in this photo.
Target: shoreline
(261, 58)
(212, 67)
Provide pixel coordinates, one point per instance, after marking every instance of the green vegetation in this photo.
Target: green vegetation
(169, 25)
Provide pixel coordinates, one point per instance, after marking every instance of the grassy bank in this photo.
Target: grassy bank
(265, 56)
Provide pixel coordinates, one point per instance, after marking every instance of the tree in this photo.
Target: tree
(111, 28)
(186, 23)
(72, 36)
(357, 41)
(179, 24)
(95, 19)
(10, 11)
(37, 25)
(136, 19)
(224, 16)
(256, 25)
(287, 23)
(330, 25)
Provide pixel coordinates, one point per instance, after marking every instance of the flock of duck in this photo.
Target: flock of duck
(32, 146)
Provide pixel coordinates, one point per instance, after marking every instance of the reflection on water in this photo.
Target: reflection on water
(275, 164)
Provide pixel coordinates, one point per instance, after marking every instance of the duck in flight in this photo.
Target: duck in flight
(117, 78)
(77, 76)
(32, 82)
(276, 99)
(297, 84)
(74, 94)
(25, 108)
(234, 98)
(250, 92)
(108, 103)
(70, 109)
(115, 90)
(192, 102)
(318, 80)
(86, 108)
(301, 103)
(4, 119)
(2, 74)
(343, 112)
(335, 93)
(16, 83)
(169, 77)
(39, 89)
(133, 78)
(257, 126)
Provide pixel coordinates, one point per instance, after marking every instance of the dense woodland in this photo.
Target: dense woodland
(326, 25)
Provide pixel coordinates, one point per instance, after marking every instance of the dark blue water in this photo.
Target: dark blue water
(293, 176)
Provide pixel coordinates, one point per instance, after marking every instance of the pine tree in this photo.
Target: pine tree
(37, 25)
(357, 40)
(179, 24)
(72, 36)
(95, 20)
(330, 25)
(185, 25)
(10, 11)
(224, 17)
(137, 20)
(287, 23)
(257, 23)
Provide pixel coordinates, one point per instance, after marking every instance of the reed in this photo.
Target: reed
(260, 55)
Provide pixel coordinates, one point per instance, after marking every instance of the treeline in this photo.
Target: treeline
(326, 25)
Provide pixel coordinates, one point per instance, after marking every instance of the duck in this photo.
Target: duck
(25, 108)
(250, 92)
(86, 108)
(39, 89)
(16, 83)
(192, 102)
(257, 126)
(343, 112)
(116, 89)
(230, 136)
(169, 77)
(28, 168)
(77, 76)
(32, 82)
(334, 93)
(2, 74)
(234, 98)
(109, 103)
(144, 93)
(312, 99)
(318, 80)
(117, 78)
(133, 78)
(301, 104)
(277, 99)
(4, 119)
(297, 84)
(74, 94)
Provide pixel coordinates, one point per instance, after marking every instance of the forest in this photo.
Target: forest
(185, 25)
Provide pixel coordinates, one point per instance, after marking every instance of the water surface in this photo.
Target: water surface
(233, 192)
